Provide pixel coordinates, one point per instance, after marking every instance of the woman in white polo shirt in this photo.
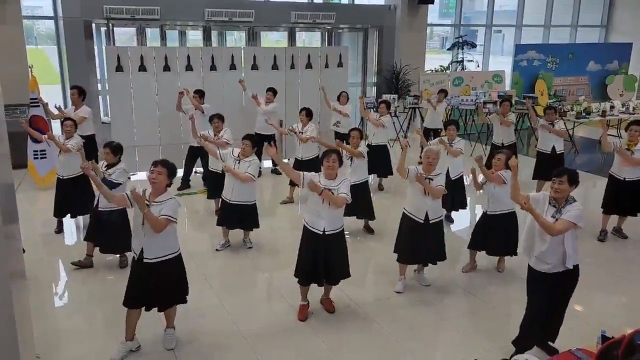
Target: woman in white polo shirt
(379, 156)
(622, 193)
(220, 137)
(550, 148)
(432, 126)
(158, 277)
(74, 194)
(238, 209)
(307, 158)
(340, 118)
(420, 237)
(503, 125)
(355, 154)
(496, 232)
(550, 241)
(323, 257)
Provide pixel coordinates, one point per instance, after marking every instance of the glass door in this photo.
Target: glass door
(310, 38)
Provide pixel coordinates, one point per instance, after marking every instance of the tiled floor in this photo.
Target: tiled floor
(243, 302)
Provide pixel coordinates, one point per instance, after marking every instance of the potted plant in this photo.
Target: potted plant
(398, 80)
(460, 54)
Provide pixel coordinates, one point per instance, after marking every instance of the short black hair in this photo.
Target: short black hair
(444, 91)
(386, 103)
(272, 90)
(573, 177)
(216, 116)
(358, 130)
(81, 91)
(506, 100)
(453, 123)
(72, 120)
(630, 124)
(171, 168)
(114, 147)
(251, 138)
(199, 92)
(507, 156)
(329, 152)
(340, 94)
(549, 108)
(308, 113)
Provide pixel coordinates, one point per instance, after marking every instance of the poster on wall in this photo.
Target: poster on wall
(430, 83)
(566, 72)
(464, 83)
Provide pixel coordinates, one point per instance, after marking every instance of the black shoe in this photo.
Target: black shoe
(548, 349)
(184, 186)
(260, 173)
(602, 236)
(448, 218)
(617, 232)
(59, 228)
(276, 171)
(123, 261)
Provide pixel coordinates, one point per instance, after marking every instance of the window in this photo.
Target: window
(474, 57)
(534, 12)
(588, 35)
(442, 12)
(236, 38)
(274, 39)
(124, 36)
(474, 12)
(194, 38)
(559, 35)
(173, 38)
(501, 53)
(505, 12)
(153, 36)
(309, 38)
(42, 52)
(438, 40)
(591, 12)
(214, 38)
(580, 91)
(370, 2)
(562, 12)
(531, 35)
(37, 7)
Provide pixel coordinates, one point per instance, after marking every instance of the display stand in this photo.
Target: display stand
(413, 112)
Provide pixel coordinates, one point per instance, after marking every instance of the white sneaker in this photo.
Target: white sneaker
(125, 348)
(169, 340)
(420, 278)
(247, 243)
(400, 286)
(223, 245)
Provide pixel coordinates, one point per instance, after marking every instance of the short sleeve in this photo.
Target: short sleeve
(227, 136)
(115, 180)
(170, 210)
(494, 119)
(305, 177)
(441, 109)
(254, 169)
(560, 125)
(188, 109)
(439, 180)
(75, 143)
(512, 118)
(69, 112)
(346, 110)
(225, 155)
(313, 131)
(538, 199)
(363, 149)
(459, 145)
(412, 171)
(344, 190)
(386, 121)
(505, 175)
(207, 110)
(573, 213)
(84, 111)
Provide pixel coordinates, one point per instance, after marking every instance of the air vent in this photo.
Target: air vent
(131, 12)
(229, 15)
(313, 17)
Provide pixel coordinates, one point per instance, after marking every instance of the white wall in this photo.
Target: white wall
(623, 26)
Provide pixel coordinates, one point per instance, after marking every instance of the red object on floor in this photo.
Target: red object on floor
(567, 355)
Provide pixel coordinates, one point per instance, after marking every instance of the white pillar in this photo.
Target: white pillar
(411, 35)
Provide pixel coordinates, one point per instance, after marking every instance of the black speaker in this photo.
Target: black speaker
(425, 2)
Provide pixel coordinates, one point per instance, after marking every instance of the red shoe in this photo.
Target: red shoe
(328, 305)
(303, 312)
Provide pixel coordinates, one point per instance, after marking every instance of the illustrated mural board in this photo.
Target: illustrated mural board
(462, 83)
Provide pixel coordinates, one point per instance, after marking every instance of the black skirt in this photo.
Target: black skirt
(90, 147)
(420, 243)
(215, 185)
(621, 197)
(546, 164)
(361, 205)
(323, 259)
(74, 197)
(238, 216)
(156, 285)
(456, 197)
(496, 234)
(109, 231)
(344, 137)
(379, 161)
(513, 148)
(309, 165)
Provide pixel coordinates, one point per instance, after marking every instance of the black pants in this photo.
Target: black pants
(262, 140)
(548, 296)
(90, 147)
(341, 136)
(429, 134)
(193, 154)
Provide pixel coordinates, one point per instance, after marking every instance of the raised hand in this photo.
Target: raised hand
(138, 198)
(322, 88)
(271, 150)
(525, 205)
(181, 94)
(59, 108)
(474, 172)
(404, 144)
(527, 102)
(513, 163)
(478, 159)
(86, 168)
(192, 118)
(50, 136)
(339, 144)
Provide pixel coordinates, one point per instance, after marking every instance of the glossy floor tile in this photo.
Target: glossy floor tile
(243, 302)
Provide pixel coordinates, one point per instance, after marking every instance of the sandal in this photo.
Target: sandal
(500, 266)
(469, 267)
(287, 200)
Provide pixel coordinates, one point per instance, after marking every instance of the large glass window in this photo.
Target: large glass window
(588, 35)
(274, 39)
(502, 46)
(438, 40)
(173, 38)
(42, 52)
(505, 12)
(559, 35)
(309, 38)
(531, 35)
(125, 36)
(474, 11)
(370, 2)
(153, 36)
(590, 12)
(473, 57)
(562, 12)
(236, 38)
(442, 12)
(194, 38)
(37, 8)
(534, 11)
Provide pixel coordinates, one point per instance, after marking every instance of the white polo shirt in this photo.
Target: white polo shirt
(503, 135)
(418, 203)
(202, 119)
(266, 113)
(86, 128)
(455, 165)
(320, 216)
(620, 168)
(434, 117)
(224, 135)
(235, 191)
(547, 253)
(116, 180)
(339, 123)
(68, 164)
(547, 141)
(157, 246)
(358, 167)
(380, 135)
(310, 149)
(499, 195)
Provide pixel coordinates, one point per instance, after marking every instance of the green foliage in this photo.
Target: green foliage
(440, 69)
(398, 80)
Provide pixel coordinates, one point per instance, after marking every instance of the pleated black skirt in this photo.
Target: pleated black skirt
(546, 164)
(156, 285)
(215, 185)
(238, 216)
(420, 243)
(74, 197)
(361, 205)
(379, 161)
(323, 259)
(309, 165)
(496, 234)
(109, 231)
(456, 197)
(621, 197)
(513, 148)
